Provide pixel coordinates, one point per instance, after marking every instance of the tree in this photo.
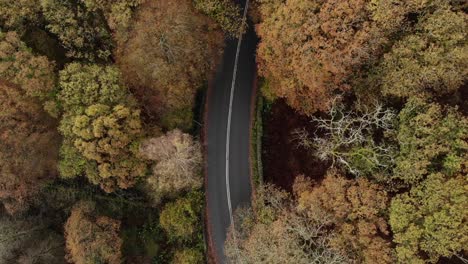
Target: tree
(347, 138)
(91, 238)
(17, 14)
(181, 219)
(101, 127)
(118, 14)
(226, 13)
(28, 240)
(289, 237)
(430, 220)
(188, 256)
(82, 85)
(310, 50)
(28, 147)
(104, 136)
(178, 163)
(356, 210)
(82, 32)
(431, 138)
(166, 63)
(432, 60)
(34, 74)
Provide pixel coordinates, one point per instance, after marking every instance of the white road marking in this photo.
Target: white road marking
(231, 99)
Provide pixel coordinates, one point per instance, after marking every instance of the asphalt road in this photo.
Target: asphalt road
(217, 117)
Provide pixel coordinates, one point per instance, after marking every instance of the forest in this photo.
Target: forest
(363, 130)
(100, 111)
(361, 147)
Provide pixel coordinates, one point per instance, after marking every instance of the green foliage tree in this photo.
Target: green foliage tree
(34, 74)
(28, 147)
(431, 139)
(118, 14)
(17, 14)
(188, 256)
(105, 137)
(226, 13)
(83, 32)
(430, 220)
(166, 63)
(431, 61)
(91, 238)
(181, 219)
(101, 127)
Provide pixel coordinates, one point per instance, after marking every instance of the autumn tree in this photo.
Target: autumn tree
(347, 139)
(178, 163)
(357, 211)
(310, 50)
(184, 256)
(83, 33)
(432, 60)
(101, 127)
(288, 237)
(17, 14)
(34, 74)
(29, 240)
(181, 218)
(118, 14)
(226, 13)
(166, 63)
(429, 222)
(92, 238)
(432, 138)
(28, 147)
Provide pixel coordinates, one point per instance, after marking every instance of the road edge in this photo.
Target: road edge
(211, 255)
(253, 110)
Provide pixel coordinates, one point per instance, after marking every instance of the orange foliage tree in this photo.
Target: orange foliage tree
(166, 63)
(91, 238)
(309, 50)
(34, 74)
(356, 208)
(28, 147)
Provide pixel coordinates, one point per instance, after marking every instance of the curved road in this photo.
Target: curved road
(227, 192)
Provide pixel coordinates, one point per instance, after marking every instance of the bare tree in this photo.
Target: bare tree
(346, 138)
(178, 162)
(29, 241)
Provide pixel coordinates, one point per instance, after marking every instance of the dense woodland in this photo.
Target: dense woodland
(100, 108)
(100, 159)
(383, 87)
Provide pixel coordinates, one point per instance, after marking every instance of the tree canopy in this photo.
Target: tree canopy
(310, 49)
(101, 127)
(431, 61)
(92, 238)
(356, 208)
(28, 147)
(431, 139)
(34, 74)
(181, 218)
(226, 13)
(430, 220)
(178, 163)
(166, 63)
(83, 32)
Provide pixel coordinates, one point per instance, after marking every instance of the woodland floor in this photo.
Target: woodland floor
(282, 159)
